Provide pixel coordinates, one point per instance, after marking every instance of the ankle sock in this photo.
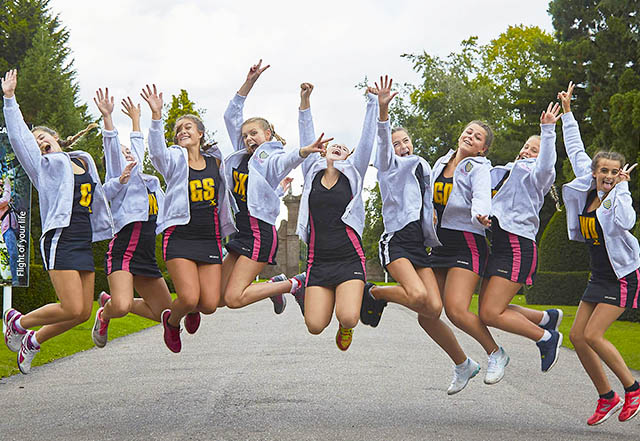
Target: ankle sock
(463, 365)
(545, 337)
(608, 396)
(34, 341)
(18, 326)
(295, 284)
(634, 387)
(545, 318)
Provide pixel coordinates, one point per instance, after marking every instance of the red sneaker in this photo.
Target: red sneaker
(171, 333)
(605, 409)
(631, 405)
(103, 298)
(344, 337)
(192, 322)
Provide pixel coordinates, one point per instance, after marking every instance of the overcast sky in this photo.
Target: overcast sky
(207, 47)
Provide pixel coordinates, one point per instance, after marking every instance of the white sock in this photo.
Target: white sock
(16, 322)
(463, 365)
(294, 285)
(34, 341)
(545, 318)
(546, 336)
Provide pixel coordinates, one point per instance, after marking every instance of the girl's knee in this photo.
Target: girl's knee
(119, 307)
(348, 320)
(488, 316)
(315, 328)
(577, 338)
(591, 337)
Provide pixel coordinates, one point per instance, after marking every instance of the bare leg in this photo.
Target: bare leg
(348, 301)
(241, 291)
(458, 290)
(588, 357)
(533, 315)
(318, 308)
(495, 295)
(156, 297)
(184, 274)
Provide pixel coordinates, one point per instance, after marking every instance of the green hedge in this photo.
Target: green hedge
(557, 288)
(40, 291)
(557, 252)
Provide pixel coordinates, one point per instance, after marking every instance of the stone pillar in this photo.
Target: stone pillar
(292, 244)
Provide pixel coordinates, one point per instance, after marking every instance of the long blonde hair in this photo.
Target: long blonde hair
(69, 141)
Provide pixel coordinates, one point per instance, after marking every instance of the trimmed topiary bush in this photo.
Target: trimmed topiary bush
(557, 252)
(557, 288)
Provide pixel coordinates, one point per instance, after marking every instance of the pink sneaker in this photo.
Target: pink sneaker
(100, 328)
(12, 336)
(26, 353)
(171, 333)
(103, 298)
(631, 406)
(192, 322)
(605, 409)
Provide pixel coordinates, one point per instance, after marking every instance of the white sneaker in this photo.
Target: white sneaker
(461, 376)
(26, 353)
(498, 360)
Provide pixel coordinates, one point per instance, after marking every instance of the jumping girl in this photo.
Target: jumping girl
(331, 220)
(254, 172)
(407, 212)
(520, 188)
(74, 213)
(136, 198)
(600, 212)
(462, 201)
(194, 218)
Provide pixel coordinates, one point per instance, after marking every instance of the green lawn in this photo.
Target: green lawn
(76, 340)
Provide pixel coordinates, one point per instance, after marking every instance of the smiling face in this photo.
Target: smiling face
(605, 174)
(530, 149)
(47, 142)
(254, 135)
(126, 151)
(401, 143)
(337, 152)
(187, 133)
(473, 141)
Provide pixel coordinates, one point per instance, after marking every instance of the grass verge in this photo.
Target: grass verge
(75, 340)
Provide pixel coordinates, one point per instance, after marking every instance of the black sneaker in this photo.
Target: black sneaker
(371, 309)
(555, 318)
(549, 350)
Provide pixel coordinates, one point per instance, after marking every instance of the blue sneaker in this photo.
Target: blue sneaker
(371, 308)
(555, 318)
(549, 350)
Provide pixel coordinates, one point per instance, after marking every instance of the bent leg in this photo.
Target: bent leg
(348, 301)
(318, 308)
(184, 274)
(241, 291)
(155, 297)
(121, 291)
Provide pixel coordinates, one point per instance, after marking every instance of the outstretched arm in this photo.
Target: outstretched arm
(306, 130)
(384, 153)
(158, 152)
(362, 154)
(114, 160)
(545, 171)
(580, 161)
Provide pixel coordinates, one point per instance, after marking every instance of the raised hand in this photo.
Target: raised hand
(154, 99)
(132, 111)
(9, 83)
(565, 97)
(551, 115)
(254, 73)
(126, 173)
(372, 90)
(385, 96)
(623, 174)
(318, 146)
(105, 105)
(305, 94)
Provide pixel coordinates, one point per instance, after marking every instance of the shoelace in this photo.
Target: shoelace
(345, 333)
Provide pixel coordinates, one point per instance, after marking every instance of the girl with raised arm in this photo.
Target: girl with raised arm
(600, 212)
(407, 211)
(74, 214)
(331, 220)
(136, 198)
(254, 172)
(519, 190)
(461, 182)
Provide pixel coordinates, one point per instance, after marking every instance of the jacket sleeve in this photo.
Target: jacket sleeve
(580, 161)
(544, 172)
(112, 187)
(281, 163)
(114, 159)
(480, 193)
(22, 140)
(385, 155)
(624, 216)
(307, 134)
(158, 151)
(233, 119)
(137, 147)
(362, 155)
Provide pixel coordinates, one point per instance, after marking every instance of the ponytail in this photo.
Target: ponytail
(276, 136)
(70, 140)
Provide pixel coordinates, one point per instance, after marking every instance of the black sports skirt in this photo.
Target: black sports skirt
(512, 257)
(67, 249)
(133, 249)
(407, 243)
(259, 242)
(622, 292)
(460, 249)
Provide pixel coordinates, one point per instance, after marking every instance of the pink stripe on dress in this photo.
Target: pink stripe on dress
(516, 252)
(475, 255)
(109, 255)
(255, 229)
(623, 292)
(312, 244)
(133, 243)
(635, 300)
(533, 264)
(216, 223)
(165, 241)
(274, 244)
(356, 244)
